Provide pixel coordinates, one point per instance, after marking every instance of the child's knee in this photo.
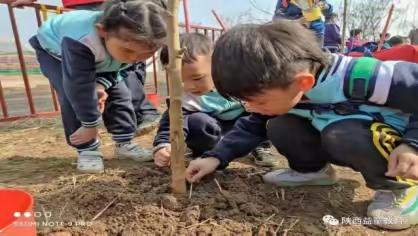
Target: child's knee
(202, 124)
(349, 142)
(333, 136)
(203, 132)
(278, 128)
(346, 133)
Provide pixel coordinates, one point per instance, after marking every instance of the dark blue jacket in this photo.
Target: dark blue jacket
(400, 98)
(332, 35)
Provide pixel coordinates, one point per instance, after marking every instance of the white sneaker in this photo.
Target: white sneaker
(291, 178)
(396, 209)
(133, 152)
(90, 162)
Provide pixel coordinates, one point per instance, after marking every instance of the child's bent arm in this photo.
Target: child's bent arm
(78, 67)
(411, 135)
(163, 132)
(248, 132)
(106, 79)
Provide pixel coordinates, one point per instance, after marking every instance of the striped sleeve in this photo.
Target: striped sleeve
(403, 94)
(106, 79)
(79, 80)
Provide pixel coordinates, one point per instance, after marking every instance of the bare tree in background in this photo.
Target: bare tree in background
(370, 15)
(242, 18)
(408, 21)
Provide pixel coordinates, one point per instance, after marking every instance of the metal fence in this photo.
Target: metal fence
(41, 13)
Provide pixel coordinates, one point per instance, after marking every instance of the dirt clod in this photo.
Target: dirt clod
(190, 215)
(145, 206)
(169, 202)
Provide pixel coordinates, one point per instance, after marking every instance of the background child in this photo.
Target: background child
(147, 115)
(396, 41)
(80, 53)
(332, 37)
(207, 115)
(355, 39)
(413, 35)
(359, 113)
(309, 12)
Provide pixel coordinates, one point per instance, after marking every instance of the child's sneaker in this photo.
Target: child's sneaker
(147, 124)
(90, 162)
(133, 152)
(264, 157)
(291, 178)
(397, 209)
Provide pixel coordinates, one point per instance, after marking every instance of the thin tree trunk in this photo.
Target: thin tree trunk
(344, 25)
(178, 182)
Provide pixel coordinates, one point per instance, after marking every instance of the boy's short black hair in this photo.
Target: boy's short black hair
(396, 40)
(194, 44)
(250, 58)
(355, 32)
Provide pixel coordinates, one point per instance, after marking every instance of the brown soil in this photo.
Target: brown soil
(34, 157)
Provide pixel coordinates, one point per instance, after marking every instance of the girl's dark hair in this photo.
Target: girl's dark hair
(144, 18)
(194, 44)
(250, 58)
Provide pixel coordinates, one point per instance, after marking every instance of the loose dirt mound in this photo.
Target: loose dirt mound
(133, 199)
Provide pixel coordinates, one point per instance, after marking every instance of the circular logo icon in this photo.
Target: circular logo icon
(27, 214)
(330, 220)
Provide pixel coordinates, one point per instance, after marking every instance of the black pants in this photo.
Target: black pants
(203, 132)
(135, 82)
(119, 116)
(346, 143)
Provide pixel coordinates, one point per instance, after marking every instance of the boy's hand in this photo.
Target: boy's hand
(200, 167)
(162, 157)
(101, 96)
(403, 162)
(83, 135)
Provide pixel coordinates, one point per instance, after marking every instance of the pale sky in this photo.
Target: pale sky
(200, 12)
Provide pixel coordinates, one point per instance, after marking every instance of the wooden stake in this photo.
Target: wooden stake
(162, 208)
(74, 183)
(104, 209)
(201, 223)
(290, 228)
(278, 227)
(178, 168)
(269, 218)
(282, 191)
(219, 186)
(191, 190)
